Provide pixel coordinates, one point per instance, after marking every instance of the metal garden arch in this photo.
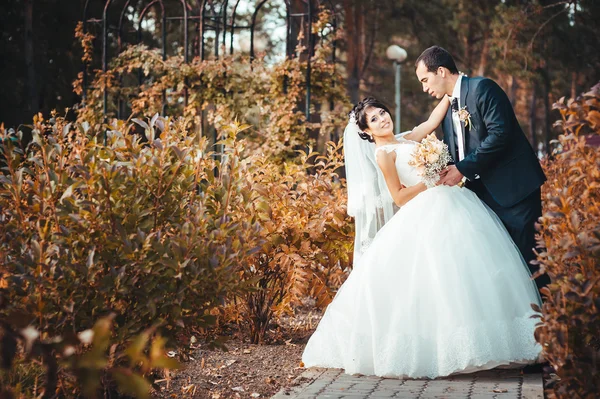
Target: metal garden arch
(209, 15)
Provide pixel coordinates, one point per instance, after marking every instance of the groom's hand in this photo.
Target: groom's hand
(450, 176)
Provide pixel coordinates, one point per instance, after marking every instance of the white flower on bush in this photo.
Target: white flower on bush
(86, 336)
(29, 334)
(68, 351)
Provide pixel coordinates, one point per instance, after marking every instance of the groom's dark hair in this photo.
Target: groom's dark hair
(435, 57)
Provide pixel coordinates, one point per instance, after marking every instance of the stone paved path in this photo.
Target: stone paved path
(498, 384)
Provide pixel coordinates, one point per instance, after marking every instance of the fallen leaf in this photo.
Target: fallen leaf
(238, 389)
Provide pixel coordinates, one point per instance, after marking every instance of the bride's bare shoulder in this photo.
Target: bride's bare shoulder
(385, 154)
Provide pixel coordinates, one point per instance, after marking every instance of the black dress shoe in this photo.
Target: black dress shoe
(538, 368)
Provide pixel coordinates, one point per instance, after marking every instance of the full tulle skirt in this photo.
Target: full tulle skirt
(441, 290)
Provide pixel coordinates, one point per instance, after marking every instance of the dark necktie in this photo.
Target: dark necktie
(454, 104)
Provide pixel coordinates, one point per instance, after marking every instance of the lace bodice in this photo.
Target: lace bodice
(407, 174)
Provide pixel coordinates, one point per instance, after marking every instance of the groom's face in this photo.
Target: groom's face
(433, 83)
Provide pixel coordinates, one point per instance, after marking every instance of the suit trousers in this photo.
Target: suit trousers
(519, 220)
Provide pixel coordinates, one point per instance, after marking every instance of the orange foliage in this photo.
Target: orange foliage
(569, 238)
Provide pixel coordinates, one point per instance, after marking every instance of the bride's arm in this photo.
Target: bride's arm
(436, 117)
(400, 194)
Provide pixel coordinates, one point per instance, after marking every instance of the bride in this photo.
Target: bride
(438, 286)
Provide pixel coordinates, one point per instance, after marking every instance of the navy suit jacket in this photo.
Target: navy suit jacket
(496, 148)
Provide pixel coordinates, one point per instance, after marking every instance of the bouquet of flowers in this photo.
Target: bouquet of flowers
(430, 157)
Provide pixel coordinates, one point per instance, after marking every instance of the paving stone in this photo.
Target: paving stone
(359, 391)
(388, 388)
(408, 392)
(341, 384)
(382, 394)
(312, 391)
(349, 380)
(363, 386)
(414, 383)
(390, 381)
(532, 387)
(462, 377)
(333, 384)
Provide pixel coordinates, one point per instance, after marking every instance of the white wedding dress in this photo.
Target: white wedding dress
(442, 289)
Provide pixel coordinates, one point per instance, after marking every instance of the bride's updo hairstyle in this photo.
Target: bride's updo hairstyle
(360, 114)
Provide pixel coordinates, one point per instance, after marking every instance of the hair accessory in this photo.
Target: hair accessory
(352, 118)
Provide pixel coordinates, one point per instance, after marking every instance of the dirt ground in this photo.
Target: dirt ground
(245, 370)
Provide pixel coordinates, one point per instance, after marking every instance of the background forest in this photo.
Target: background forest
(539, 51)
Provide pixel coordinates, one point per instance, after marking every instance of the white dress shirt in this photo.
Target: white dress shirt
(456, 120)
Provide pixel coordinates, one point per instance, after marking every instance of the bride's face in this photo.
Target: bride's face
(379, 122)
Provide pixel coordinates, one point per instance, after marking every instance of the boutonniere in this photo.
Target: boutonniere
(464, 116)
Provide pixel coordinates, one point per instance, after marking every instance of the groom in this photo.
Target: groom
(493, 156)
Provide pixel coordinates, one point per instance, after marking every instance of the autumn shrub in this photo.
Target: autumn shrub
(136, 228)
(306, 233)
(85, 363)
(142, 219)
(569, 242)
(268, 97)
(162, 230)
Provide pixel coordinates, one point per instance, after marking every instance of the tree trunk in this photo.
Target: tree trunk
(354, 28)
(297, 24)
(467, 52)
(548, 126)
(484, 54)
(514, 86)
(574, 85)
(32, 93)
(465, 37)
(532, 116)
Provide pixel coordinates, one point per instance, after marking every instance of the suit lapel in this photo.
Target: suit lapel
(464, 93)
(449, 132)
(464, 90)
